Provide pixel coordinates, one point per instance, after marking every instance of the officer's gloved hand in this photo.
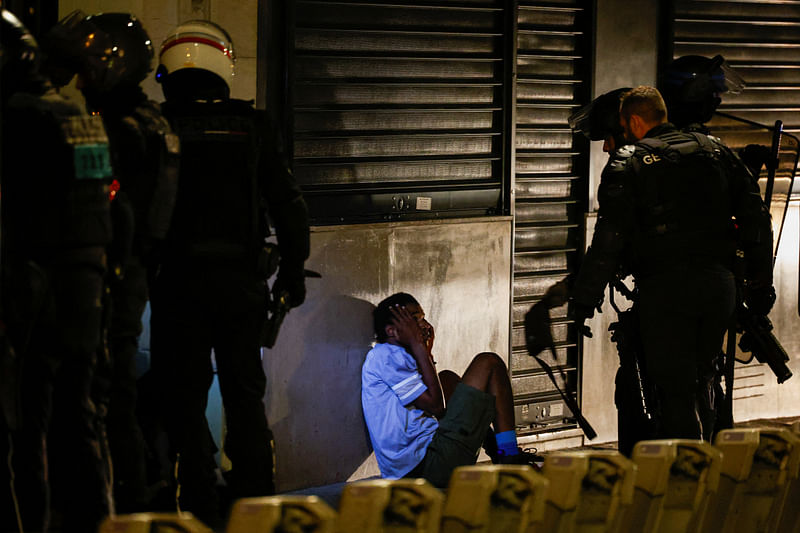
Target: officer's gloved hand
(760, 299)
(755, 156)
(581, 313)
(292, 284)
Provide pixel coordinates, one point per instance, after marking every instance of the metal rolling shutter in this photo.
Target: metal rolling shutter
(761, 40)
(550, 190)
(399, 108)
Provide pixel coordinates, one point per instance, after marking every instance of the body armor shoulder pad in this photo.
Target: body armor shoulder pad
(617, 163)
(709, 143)
(625, 152)
(50, 103)
(152, 121)
(620, 158)
(148, 113)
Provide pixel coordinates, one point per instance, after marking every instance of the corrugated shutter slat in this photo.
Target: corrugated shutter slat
(397, 102)
(549, 188)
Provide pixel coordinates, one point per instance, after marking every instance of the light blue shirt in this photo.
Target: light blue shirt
(400, 435)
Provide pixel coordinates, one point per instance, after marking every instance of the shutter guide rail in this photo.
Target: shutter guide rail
(550, 181)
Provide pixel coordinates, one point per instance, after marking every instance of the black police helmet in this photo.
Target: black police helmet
(694, 78)
(132, 48)
(600, 118)
(19, 54)
(108, 50)
(692, 85)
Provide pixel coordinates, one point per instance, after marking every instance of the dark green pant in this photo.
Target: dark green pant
(459, 437)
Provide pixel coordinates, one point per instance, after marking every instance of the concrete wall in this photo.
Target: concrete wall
(625, 55)
(458, 270)
(756, 391)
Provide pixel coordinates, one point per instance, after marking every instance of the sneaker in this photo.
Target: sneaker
(524, 457)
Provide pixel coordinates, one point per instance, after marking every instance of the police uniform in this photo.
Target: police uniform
(56, 224)
(144, 154)
(210, 294)
(666, 208)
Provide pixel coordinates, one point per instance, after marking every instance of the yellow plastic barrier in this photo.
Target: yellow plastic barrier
(674, 483)
(494, 499)
(755, 469)
(287, 514)
(153, 523)
(587, 491)
(789, 521)
(384, 506)
(786, 502)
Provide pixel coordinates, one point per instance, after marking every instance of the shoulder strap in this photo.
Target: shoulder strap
(705, 142)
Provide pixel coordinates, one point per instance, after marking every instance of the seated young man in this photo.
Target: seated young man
(404, 403)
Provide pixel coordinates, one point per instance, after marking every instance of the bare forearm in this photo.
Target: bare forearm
(431, 400)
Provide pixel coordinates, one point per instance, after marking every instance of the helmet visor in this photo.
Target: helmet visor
(600, 118)
(734, 83)
(78, 45)
(696, 78)
(581, 120)
(74, 37)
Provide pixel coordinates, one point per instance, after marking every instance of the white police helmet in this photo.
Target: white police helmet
(197, 44)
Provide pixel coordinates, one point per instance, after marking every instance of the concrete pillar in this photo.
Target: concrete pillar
(625, 55)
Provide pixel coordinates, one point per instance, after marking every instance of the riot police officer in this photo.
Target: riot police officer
(210, 291)
(144, 154)
(693, 86)
(56, 224)
(669, 198)
(600, 121)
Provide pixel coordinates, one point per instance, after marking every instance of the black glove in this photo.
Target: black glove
(759, 300)
(581, 313)
(292, 284)
(755, 156)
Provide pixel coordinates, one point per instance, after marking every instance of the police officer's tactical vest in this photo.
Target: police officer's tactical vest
(218, 212)
(683, 201)
(145, 156)
(56, 176)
